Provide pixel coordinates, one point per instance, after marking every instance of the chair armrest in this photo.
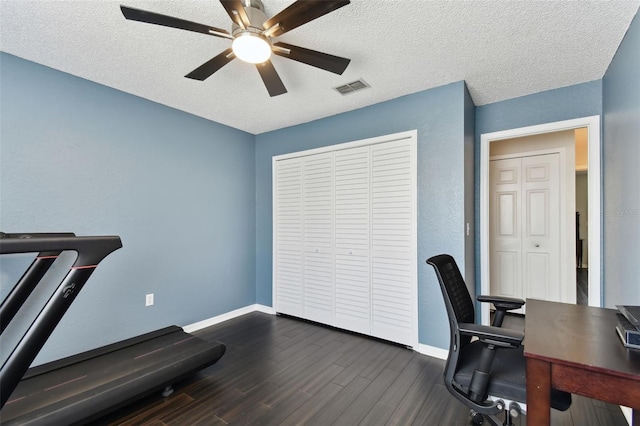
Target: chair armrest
(502, 302)
(493, 335)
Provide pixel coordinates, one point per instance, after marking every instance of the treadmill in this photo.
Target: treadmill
(86, 386)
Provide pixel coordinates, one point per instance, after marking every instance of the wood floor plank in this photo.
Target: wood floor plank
(402, 359)
(354, 367)
(340, 402)
(378, 415)
(312, 406)
(366, 400)
(295, 384)
(310, 364)
(201, 410)
(233, 409)
(380, 362)
(152, 416)
(362, 348)
(440, 408)
(320, 380)
(278, 413)
(408, 408)
(403, 381)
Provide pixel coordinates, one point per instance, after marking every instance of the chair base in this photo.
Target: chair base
(509, 414)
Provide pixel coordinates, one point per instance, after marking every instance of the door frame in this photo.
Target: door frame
(592, 124)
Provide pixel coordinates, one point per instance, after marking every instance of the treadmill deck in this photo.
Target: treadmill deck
(90, 384)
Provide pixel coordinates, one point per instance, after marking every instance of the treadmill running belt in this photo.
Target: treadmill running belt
(88, 385)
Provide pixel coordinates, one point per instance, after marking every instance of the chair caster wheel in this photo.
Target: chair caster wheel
(476, 418)
(167, 392)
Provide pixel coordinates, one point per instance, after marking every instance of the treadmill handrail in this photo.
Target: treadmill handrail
(29, 280)
(91, 250)
(36, 235)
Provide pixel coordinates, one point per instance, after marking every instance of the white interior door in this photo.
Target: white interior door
(506, 229)
(525, 230)
(541, 234)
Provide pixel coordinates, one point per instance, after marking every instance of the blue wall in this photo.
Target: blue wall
(178, 189)
(191, 198)
(438, 115)
(566, 103)
(621, 169)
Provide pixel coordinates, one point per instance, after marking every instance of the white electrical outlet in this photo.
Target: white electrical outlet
(149, 300)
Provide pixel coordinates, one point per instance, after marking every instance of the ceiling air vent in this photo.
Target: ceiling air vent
(352, 87)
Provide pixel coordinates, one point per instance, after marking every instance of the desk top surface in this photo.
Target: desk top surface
(578, 335)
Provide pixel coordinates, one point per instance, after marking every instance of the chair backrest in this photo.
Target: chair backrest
(456, 298)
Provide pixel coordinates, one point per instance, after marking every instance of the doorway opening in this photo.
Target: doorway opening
(587, 168)
(582, 216)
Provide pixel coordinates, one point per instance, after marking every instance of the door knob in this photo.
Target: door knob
(537, 245)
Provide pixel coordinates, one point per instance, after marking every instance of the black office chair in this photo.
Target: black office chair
(488, 374)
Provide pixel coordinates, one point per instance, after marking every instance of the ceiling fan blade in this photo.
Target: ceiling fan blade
(271, 78)
(205, 70)
(236, 12)
(331, 63)
(299, 13)
(169, 21)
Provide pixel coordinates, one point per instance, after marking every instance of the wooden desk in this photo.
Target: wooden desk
(576, 349)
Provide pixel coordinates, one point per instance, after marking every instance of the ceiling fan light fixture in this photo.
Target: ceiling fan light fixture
(252, 32)
(252, 48)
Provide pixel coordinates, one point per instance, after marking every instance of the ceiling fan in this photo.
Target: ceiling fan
(253, 36)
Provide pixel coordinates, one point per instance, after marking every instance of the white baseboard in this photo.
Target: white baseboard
(227, 316)
(432, 351)
(265, 309)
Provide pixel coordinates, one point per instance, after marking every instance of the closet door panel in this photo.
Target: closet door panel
(392, 249)
(317, 206)
(352, 239)
(288, 248)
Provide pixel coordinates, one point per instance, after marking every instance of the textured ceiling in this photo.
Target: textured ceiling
(502, 49)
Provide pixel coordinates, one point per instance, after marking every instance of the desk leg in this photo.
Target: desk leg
(538, 392)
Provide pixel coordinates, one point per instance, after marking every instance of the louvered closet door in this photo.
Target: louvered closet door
(393, 288)
(288, 250)
(352, 229)
(345, 236)
(317, 203)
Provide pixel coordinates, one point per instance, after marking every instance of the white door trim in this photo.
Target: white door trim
(595, 196)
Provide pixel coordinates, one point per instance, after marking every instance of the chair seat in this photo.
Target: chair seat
(508, 375)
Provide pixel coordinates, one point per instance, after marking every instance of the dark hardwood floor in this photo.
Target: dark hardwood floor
(279, 370)
(582, 280)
